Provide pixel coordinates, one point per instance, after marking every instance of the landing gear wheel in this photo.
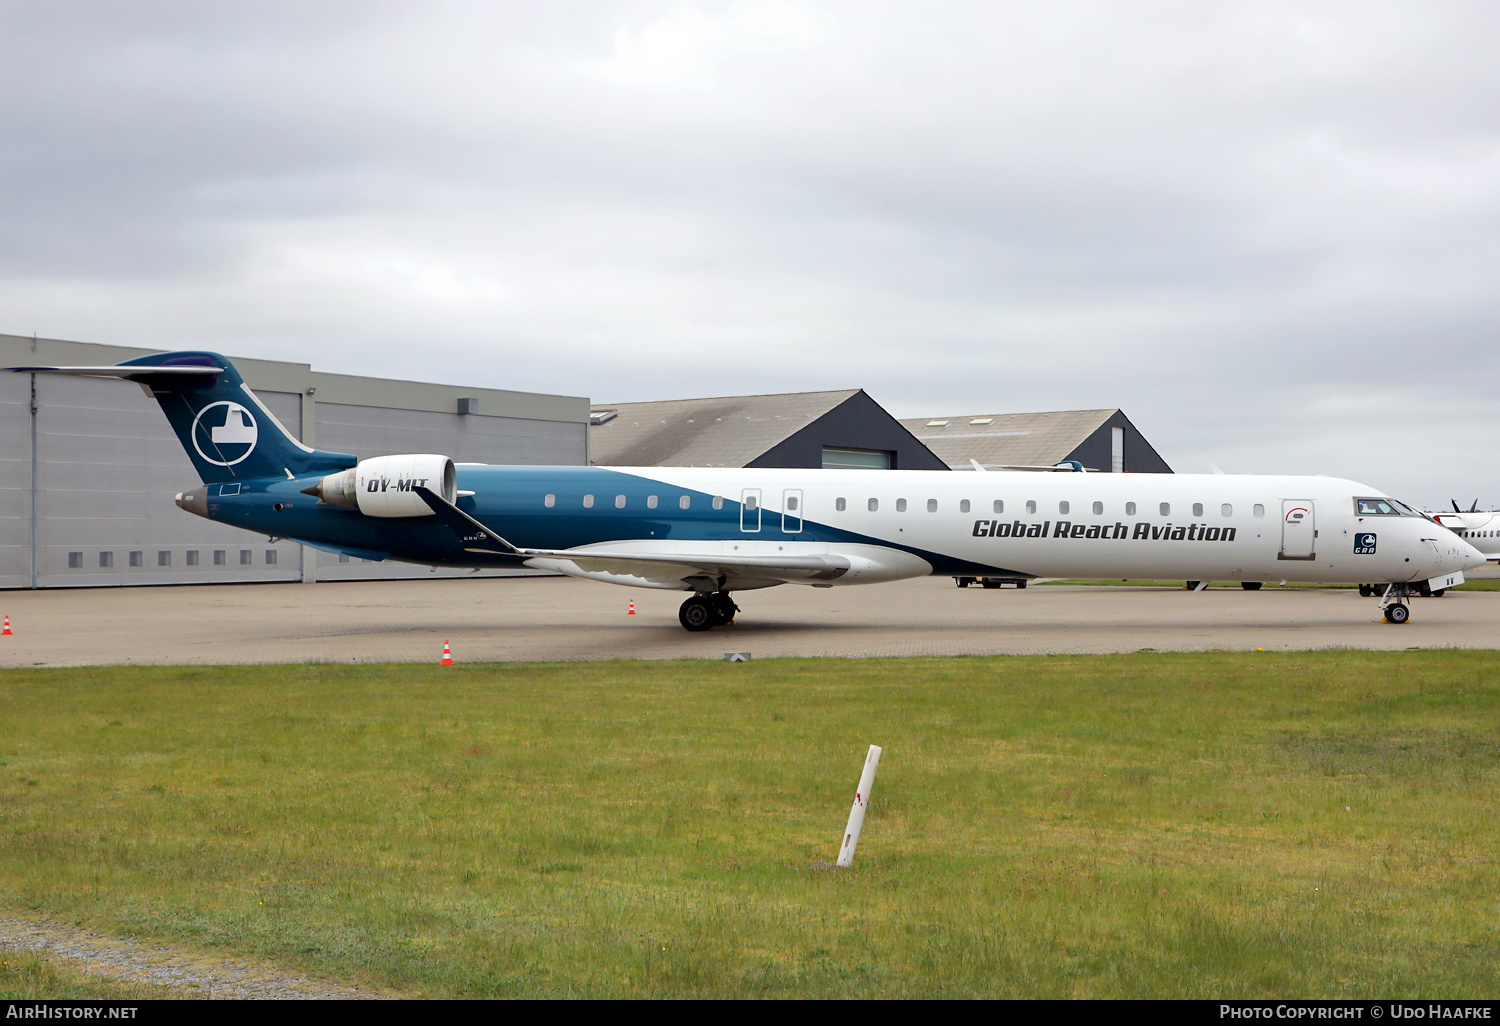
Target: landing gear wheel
(963, 582)
(1020, 584)
(1439, 593)
(1397, 612)
(1366, 590)
(1250, 585)
(986, 582)
(697, 614)
(724, 610)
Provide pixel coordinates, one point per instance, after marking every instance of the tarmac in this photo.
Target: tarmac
(546, 619)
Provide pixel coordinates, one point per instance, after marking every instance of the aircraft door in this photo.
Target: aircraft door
(791, 510)
(1298, 529)
(750, 510)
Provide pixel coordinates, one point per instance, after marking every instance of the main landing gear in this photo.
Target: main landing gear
(705, 611)
(1393, 603)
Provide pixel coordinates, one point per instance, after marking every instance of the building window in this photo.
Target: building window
(220, 557)
(137, 558)
(1226, 510)
(839, 504)
(75, 561)
(619, 502)
(1130, 509)
(1197, 509)
(1063, 507)
(164, 557)
(247, 557)
(998, 506)
(650, 502)
(963, 505)
(588, 502)
(106, 560)
(549, 500)
(1031, 505)
(683, 502)
(270, 557)
(858, 459)
(873, 505)
(1258, 510)
(1166, 509)
(1098, 509)
(718, 502)
(900, 505)
(192, 557)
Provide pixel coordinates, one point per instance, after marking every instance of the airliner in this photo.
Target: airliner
(1480, 527)
(713, 532)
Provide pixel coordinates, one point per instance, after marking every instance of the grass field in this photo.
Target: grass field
(1152, 825)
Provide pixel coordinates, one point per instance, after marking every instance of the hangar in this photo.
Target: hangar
(1102, 440)
(89, 466)
(832, 430)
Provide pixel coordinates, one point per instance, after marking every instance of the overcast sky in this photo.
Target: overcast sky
(1269, 232)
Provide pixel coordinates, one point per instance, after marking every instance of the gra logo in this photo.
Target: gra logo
(226, 430)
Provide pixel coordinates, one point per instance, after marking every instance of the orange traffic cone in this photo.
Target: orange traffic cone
(447, 654)
(7, 625)
(631, 613)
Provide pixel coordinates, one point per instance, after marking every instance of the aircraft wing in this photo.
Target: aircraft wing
(662, 568)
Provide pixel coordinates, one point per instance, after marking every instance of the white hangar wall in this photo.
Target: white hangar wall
(107, 466)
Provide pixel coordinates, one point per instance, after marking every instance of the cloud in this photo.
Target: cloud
(1268, 231)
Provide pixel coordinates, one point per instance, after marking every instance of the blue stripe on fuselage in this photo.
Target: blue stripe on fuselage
(510, 501)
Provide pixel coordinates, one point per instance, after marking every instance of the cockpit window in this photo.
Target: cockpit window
(1383, 508)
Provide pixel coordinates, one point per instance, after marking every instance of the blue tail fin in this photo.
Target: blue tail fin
(228, 434)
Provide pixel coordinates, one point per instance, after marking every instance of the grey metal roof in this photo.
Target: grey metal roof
(1007, 439)
(725, 432)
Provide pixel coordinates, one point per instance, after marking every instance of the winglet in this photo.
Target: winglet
(459, 522)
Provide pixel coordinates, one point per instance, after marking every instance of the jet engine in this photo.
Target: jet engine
(383, 486)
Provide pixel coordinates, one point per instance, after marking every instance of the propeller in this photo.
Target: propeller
(1474, 508)
(1455, 506)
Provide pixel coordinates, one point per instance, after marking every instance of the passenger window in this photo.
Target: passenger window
(998, 506)
(619, 502)
(1166, 509)
(718, 502)
(751, 502)
(791, 502)
(1063, 507)
(932, 505)
(873, 504)
(1098, 509)
(839, 504)
(1226, 510)
(650, 502)
(963, 505)
(1130, 509)
(1031, 505)
(549, 500)
(684, 502)
(900, 505)
(588, 502)
(1258, 510)
(1197, 509)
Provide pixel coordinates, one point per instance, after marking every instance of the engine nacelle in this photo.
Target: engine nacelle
(382, 487)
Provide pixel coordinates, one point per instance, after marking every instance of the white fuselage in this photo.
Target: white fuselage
(1130, 526)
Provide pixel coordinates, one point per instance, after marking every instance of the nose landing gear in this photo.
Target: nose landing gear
(1393, 603)
(705, 611)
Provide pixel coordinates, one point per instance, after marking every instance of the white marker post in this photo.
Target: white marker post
(857, 812)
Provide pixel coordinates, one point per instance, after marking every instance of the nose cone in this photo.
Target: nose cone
(195, 501)
(1473, 559)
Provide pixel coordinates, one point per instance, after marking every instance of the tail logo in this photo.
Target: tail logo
(224, 433)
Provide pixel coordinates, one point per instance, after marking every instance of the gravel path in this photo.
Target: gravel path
(191, 974)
